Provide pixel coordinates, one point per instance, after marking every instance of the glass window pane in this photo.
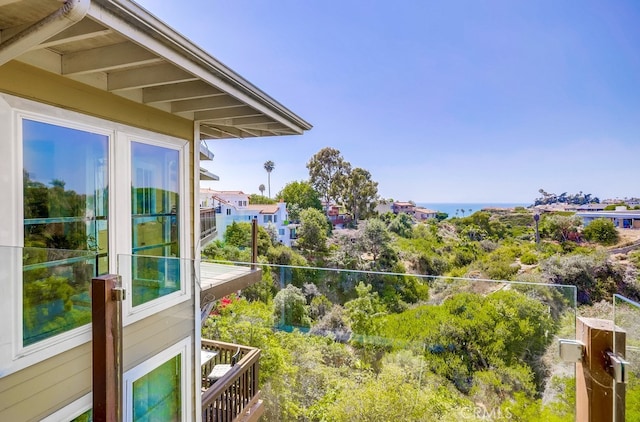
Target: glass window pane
(155, 221)
(157, 395)
(65, 174)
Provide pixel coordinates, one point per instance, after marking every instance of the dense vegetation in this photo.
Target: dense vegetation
(354, 346)
(397, 320)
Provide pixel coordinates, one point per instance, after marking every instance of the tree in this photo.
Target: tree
(402, 225)
(327, 173)
(362, 310)
(299, 196)
(359, 193)
(560, 227)
(291, 307)
(269, 166)
(601, 230)
(375, 238)
(312, 234)
(261, 189)
(255, 199)
(239, 235)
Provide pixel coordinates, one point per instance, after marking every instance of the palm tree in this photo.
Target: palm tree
(269, 166)
(261, 189)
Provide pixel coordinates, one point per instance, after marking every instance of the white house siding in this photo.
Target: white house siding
(229, 214)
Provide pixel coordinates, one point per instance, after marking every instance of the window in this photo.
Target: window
(280, 232)
(62, 169)
(65, 192)
(155, 222)
(228, 211)
(156, 389)
(275, 218)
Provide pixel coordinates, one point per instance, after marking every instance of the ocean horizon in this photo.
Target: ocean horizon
(453, 208)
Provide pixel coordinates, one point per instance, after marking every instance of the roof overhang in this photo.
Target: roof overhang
(207, 175)
(119, 47)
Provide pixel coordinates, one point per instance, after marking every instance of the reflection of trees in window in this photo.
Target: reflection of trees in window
(65, 229)
(155, 221)
(157, 395)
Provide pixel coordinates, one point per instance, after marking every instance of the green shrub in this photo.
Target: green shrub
(529, 258)
(601, 230)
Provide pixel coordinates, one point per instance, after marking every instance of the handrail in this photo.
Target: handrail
(232, 395)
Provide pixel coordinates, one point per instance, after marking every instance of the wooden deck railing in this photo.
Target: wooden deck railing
(235, 396)
(207, 222)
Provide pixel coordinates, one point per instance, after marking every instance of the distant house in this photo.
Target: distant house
(423, 214)
(621, 217)
(234, 207)
(404, 207)
(212, 198)
(337, 216)
(383, 207)
(591, 207)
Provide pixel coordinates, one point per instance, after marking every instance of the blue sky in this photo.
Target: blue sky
(456, 101)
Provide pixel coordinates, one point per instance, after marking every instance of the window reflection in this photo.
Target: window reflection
(155, 221)
(65, 174)
(157, 395)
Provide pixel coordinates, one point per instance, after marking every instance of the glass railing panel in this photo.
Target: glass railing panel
(346, 344)
(154, 277)
(55, 285)
(626, 344)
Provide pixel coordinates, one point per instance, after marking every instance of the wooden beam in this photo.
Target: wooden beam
(229, 132)
(83, 30)
(231, 112)
(179, 91)
(206, 103)
(243, 121)
(142, 77)
(106, 314)
(111, 57)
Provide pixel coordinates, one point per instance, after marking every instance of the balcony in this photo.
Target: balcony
(235, 396)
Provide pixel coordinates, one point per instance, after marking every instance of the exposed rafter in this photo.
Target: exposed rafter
(119, 47)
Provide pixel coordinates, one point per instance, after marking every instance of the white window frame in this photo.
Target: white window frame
(71, 411)
(13, 356)
(123, 211)
(182, 348)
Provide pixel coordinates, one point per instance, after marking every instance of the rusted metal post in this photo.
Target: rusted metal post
(595, 398)
(106, 312)
(254, 243)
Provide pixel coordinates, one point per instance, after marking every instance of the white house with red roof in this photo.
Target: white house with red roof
(233, 206)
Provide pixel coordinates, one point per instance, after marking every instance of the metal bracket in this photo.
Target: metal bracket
(118, 294)
(617, 367)
(571, 351)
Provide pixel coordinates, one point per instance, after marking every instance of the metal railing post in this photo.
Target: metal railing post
(106, 312)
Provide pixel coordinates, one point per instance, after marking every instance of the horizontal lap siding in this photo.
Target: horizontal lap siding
(26, 394)
(41, 389)
(151, 335)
